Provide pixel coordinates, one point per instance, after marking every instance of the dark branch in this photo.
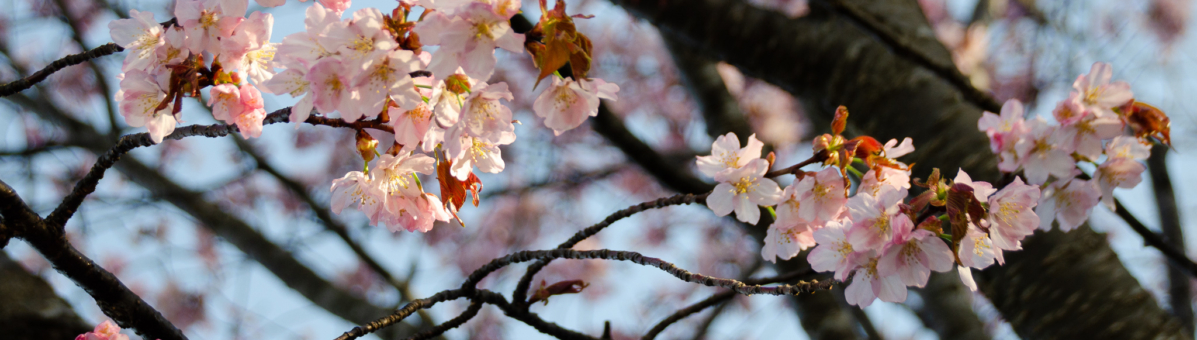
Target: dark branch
(521, 289)
(74, 59)
(716, 299)
(127, 143)
(112, 296)
(1180, 296)
(468, 314)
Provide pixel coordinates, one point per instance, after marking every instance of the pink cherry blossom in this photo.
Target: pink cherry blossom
(1097, 94)
(418, 213)
(270, 3)
(483, 117)
(364, 41)
(104, 331)
(302, 49)
(1004, 132)
(977, 250)
(357, 188)
(387, 78)
(786, 242)
(966, 277)
(336, 6)
(1085, 135)
(1129, 148)
(173, 52)
(1042, 152)
(139, 97)
(1117, 172)
(476, 152)
(875, 218)
(411, 125)
(141, 36)
(872, 183)
(407, 206)
(468, 40)
(249, 120)
(833, 253)
(567, 103)
(826, 195)
(331, 88)
(209, 21)
(894, 150)
(981, 190)
(1011, 215)
(1068, 202)
(294, 82)
(726, 154)
(868, 285)
(913, 255)
(249, 49)
(744, 190)
(225, 100)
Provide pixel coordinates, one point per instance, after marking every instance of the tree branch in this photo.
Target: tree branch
(74, 59)
(519, 296)
(112, 296)
(1179, 293)
(715, 299)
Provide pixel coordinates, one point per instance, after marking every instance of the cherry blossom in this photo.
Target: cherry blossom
(726, 154)
(1097, 94)
(875, 218)
(567, 103)
(173, 52)
(744, 190)
(476, 152)
(913, 255)
(357, 188)
(249, 120)
(873, 181)
(1041, 152)
(468, 39)
(894, 150)
(139, 97)
(249, 49)
(868, 284)
(981, 190)
(483, 116)
(789, 233)
(408, 206)
(977, 250)
(331, 88)
(294, 82)
(1128, 148)
(826, 195)
(1004, 132)
(270, 3)
(386, 79)
(225, 100)
(410, 125)
(364, 41)
(1068, 202)
(337, 6)
(1121, 169)
(833, 253)
(1085, 135)
(141, 36)
(104, 331)
(209, 21)
(302, 49)
(1011, 217)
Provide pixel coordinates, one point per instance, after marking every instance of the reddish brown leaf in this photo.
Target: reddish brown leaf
(560, 288)
(453, 191)
(841, 119)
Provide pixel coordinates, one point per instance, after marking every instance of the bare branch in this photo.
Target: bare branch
(1180, 296)
(468, 314)
(74, 59)
(716, 299)
(112, 296)
(521, 289)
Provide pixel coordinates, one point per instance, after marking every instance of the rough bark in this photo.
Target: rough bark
(830, 61)
(29, 308)
(1180, 295)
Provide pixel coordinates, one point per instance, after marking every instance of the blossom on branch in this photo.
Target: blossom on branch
(744, 190)
(141, 36)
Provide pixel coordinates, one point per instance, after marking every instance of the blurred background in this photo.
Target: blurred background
(164, 247)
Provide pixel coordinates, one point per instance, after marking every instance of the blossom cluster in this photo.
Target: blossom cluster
(1092, 126)
(104, 331)
(871, 235)
(368, 66)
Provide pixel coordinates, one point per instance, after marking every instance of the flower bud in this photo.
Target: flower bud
(366, 145)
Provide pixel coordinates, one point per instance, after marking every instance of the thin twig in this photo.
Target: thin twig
(1179, 293)
(518, 297)
(468, 314)
(1177, 257)
(87, 185)
(715, 299)
(74, 59)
